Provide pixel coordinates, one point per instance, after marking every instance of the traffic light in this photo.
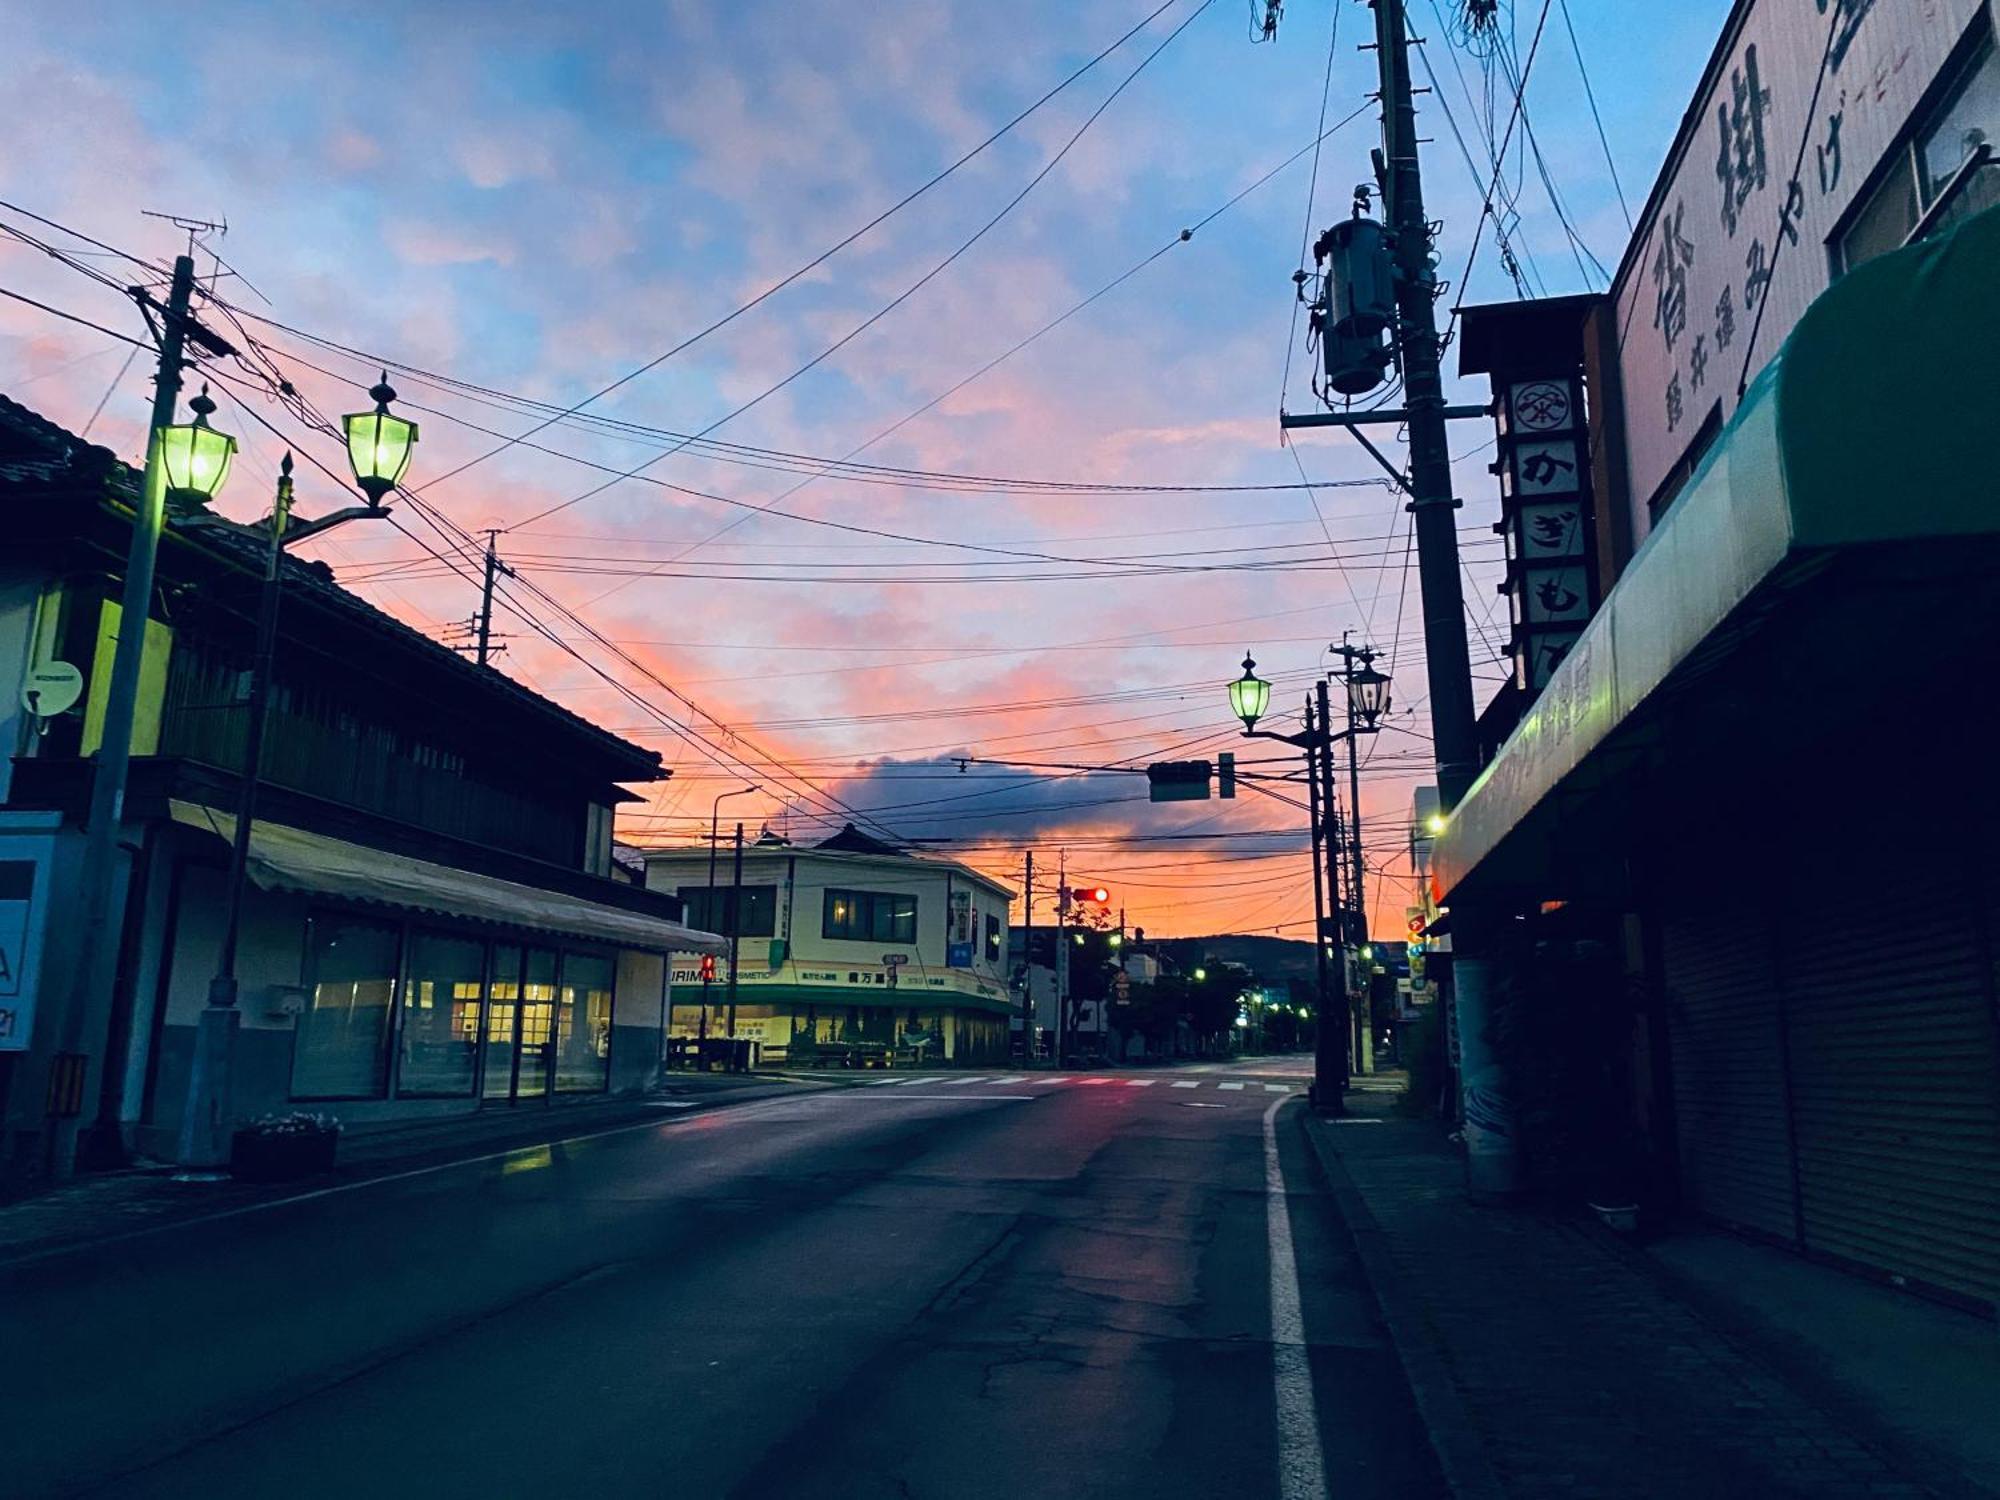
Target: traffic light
(1225, 775)
(707, 967)
(1177, 781)
(1095, 895)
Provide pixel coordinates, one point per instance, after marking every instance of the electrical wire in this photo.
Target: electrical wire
(914, 287)
(837, 247)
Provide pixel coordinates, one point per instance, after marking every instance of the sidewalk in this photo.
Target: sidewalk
(1550, 1358)
(112, 1205)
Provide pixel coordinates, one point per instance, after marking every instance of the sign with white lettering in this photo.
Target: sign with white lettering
(1735, 247)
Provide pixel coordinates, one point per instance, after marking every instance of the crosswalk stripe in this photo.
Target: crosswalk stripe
(946, 1083)
(1140, 1083)
(1277, 1088)
(1010, 1078)
(1093, 1080)
(1187, 1084)
(903, 1080)
(1229, 1085)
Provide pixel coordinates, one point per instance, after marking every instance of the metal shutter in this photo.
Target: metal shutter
(1891, 1025)
(1729, 1086)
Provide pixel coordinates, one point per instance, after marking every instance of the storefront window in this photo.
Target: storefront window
(583, 1023)
(341, 1047)
(441, 1014)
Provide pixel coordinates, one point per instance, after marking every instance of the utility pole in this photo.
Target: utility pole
(1062, 956)
(1330, 1045)
(1328, 1084)
(1492, 1155)
(494, 568)
(735, 932)
(96, 968)
(1432, 506)
(1028, 962)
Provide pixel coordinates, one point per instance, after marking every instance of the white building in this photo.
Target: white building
(847, 948)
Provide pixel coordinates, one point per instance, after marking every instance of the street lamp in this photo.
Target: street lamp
(1367, 701)
(1367, 692)
(379, 443)
(378, 463)
(196, 457)
(1249, 695)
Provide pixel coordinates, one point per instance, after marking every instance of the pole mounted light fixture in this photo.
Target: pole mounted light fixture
(196, 457)
(379, 443)
(1367, 693)
(1249, 695)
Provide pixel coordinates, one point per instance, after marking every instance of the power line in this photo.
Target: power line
(1590, 95)
(834, 249)
(922, 281)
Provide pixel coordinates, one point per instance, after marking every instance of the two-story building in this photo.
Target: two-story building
(1733, 847)
(848, 946)
(432, 925)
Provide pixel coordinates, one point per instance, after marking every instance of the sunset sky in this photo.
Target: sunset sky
(536, 200)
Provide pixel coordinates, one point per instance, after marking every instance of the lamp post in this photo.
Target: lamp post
(1367, 701)
(1249, 697)
(195, 465)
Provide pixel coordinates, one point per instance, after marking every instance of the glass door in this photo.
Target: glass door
(503, 1015)
(535, 1047)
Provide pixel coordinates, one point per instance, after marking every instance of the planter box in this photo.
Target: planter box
(258, 1157)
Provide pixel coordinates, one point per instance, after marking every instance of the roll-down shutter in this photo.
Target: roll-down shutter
(1891, 1028)
(1729, 1087)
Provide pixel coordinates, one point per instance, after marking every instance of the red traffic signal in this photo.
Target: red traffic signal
(707, 967)
(1096, 894)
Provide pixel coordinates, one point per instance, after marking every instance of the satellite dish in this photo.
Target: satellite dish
(52, 688)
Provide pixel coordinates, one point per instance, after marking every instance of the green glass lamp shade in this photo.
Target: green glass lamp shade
(195, 456)
(1249, 695)
(378, 445)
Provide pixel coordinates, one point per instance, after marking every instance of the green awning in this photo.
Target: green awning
(1873, 425)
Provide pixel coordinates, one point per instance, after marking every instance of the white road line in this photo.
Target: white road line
(1277, 1088)
(902, 1080)
(1301, 1465)
(1140, 1083)
(1187, 1084)
(1010, 1078)
(1093, 1080)
(1236, 1086)
(945, 1083)
(966, 1098)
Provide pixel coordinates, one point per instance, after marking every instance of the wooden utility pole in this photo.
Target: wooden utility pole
(494, 568)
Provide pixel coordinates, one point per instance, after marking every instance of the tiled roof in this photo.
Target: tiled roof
(35, 452)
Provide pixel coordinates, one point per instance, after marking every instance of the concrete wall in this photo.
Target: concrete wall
(638, 1021)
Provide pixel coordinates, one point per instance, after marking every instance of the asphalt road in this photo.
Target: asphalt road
(1052, 1285)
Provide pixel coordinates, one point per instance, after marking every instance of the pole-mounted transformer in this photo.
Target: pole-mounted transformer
(1357, 301)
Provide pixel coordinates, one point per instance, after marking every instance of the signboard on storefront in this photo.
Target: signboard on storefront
(1734, 247)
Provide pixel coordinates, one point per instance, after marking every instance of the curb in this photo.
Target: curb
(1461, 1454)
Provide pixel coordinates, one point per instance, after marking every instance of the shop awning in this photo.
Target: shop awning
(291, 859)
(1871, 429)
